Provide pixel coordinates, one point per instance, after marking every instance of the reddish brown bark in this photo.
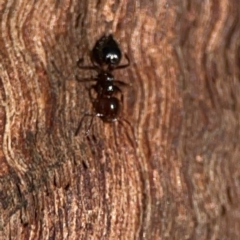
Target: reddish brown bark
(180, 180)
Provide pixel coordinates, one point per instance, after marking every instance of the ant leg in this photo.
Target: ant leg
(80, 123)
(90, 125)
(121, 120)
(124, 65)
(58, 71)
(122, 83)
(93, 87)
(93, 67)
(80, 60)
(97, 67)
(86, 79)
(116, 88)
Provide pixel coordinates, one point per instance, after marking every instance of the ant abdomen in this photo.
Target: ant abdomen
(107, 108)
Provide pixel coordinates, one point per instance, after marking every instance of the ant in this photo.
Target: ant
(105, 57)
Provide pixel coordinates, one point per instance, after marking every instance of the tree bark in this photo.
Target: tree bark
(176, 176)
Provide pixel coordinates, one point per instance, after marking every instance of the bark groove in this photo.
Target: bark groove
(176, 177)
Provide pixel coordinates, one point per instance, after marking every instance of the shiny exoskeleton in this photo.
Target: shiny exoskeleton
(106, 52)
(105, 57)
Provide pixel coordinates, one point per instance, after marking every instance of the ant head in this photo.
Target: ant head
(107, 52)
(111, 56)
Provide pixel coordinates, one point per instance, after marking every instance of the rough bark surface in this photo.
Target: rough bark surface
(177, 178)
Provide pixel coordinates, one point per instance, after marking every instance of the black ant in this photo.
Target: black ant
(105, 57)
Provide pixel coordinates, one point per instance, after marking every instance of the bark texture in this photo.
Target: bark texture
(176, 177)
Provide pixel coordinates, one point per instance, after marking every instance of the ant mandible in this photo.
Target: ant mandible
(105, 57)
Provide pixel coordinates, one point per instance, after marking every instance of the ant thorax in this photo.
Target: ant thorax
(105, 84)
